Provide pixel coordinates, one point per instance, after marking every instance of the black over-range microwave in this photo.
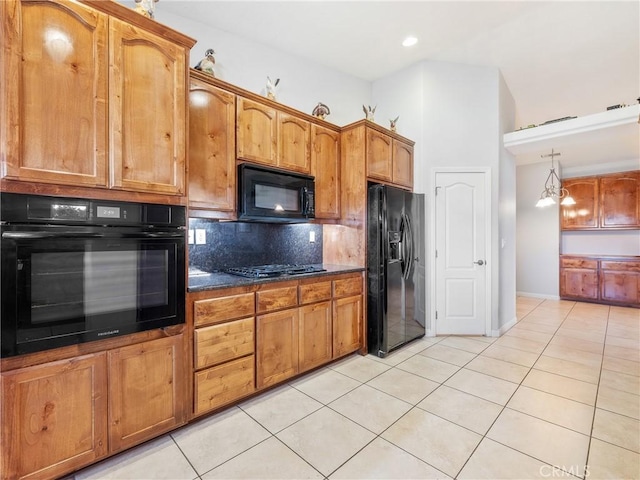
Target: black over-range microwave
(76, 270)
(270, 195)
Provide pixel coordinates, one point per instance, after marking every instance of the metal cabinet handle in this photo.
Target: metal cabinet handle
(479, 262)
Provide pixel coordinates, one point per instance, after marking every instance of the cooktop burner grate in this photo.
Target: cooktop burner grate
(267, 271)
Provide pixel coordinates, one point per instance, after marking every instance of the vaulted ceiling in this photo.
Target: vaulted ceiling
(558, 58)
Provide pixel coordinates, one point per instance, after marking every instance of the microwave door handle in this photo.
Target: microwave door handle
(305, 201)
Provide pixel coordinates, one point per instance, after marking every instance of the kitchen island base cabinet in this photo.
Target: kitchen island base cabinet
(54, 417)
(146, 385)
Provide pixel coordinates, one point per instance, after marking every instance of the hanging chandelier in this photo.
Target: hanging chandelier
(552, 191)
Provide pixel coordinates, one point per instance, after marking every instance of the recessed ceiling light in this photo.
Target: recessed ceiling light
(409, 41)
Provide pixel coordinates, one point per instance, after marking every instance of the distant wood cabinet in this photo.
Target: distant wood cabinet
(603, 202)
(271, 137)
(608, 280)
(579, 278)
(63, 415)
(212, 150)
(100, 103)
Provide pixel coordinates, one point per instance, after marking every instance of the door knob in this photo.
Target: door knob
(479, 262)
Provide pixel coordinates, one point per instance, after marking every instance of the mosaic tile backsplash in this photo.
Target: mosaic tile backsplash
(239, 244)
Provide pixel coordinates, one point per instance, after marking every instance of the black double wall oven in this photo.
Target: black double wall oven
(78, 270)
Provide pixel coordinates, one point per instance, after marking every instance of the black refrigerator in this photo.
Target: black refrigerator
(396, 310)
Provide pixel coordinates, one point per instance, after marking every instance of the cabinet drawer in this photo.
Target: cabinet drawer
(347, 286)
(221, 309)
(276, 299)
(578, 263)
(225, 383)
(315, 292)
(621, 266)
(223, 342)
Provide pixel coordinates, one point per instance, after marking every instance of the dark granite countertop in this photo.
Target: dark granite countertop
(211, 281)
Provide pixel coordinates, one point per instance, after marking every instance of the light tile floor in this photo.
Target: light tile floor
(557, 396)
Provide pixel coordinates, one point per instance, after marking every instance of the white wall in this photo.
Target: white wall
(247, 64)
(507, 212)
(457, 115)
(538, 237)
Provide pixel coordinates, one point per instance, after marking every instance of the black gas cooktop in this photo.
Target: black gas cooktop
(268, 271)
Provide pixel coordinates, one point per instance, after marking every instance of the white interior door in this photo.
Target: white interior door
(461, 243)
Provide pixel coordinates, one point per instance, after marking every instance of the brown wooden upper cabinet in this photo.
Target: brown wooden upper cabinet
(620, 200)
(325, 167)
(585, 213)
(96, 101)
(606, 201)
(212, 149)
(270, 137)
(389, 159)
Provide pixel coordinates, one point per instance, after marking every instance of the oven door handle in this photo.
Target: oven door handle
(58, 234)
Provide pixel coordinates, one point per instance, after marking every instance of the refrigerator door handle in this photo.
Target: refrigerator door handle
(407, 246)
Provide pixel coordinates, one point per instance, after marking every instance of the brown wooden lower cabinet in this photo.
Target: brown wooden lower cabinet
(222, 384)
(277, 347)
(620, 282)
(315, 333)
(146, 391)
(63, 415)
(601, 280)
(54, 417)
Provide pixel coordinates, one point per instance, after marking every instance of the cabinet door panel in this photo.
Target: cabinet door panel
(620, 201)
(147, 386)
(620, 287)
(257, 129)
(379, 156)
(276, 347)
(294, 143)
(315, 343)
(212, 148)
(325, 167)
(402, 164)
(54, 417)
(54, 121)
(585, 213)
(579, 283)
(147, 111)
(347, 325)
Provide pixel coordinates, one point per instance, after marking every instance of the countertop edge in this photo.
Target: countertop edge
(219, 280)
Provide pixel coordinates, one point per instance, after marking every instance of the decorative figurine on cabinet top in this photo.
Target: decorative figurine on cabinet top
(392, 123)
(368, 111)
(206, 64)
(146, 7)
(321, 111)
(271, 88)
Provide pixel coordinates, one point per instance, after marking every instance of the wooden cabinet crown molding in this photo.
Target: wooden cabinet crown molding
(130, 16)
(374, 126)
(229, 87)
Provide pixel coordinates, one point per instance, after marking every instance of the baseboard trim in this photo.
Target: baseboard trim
(538, 295)
(504, 328)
